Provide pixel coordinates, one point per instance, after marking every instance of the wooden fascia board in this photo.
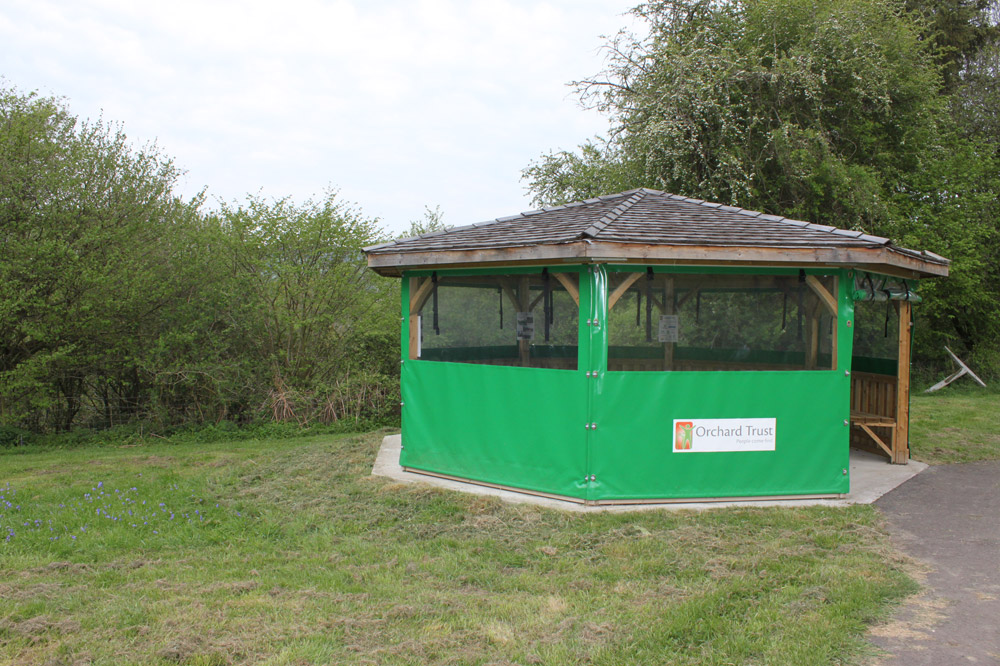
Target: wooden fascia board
(877, 259)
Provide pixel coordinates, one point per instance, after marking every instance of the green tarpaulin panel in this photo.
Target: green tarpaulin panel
(520, 427)
(633, 444)
(598, 435)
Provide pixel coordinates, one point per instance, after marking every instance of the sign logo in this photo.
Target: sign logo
(682, 435)
(724, 435)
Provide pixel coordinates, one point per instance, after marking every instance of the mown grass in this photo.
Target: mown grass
(289, 552)
(955, 425)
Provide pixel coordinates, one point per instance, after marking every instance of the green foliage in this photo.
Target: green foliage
(767, 105)
(90, 232)
(121, 303)
(306, 297)
(839, 113)
(959, 29)
(433, 220)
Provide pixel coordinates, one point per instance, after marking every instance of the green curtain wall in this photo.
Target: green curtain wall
(526, 427)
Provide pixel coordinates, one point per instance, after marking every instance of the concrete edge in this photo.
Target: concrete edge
(871, 477)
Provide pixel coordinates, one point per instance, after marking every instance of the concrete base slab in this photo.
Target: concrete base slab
(871, 477)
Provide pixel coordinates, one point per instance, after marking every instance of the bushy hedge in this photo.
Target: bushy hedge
(122, 303)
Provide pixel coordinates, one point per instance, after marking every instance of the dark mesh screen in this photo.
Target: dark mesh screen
(720, 322)
(525, 320)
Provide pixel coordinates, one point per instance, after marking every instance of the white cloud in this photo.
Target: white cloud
(398, 103)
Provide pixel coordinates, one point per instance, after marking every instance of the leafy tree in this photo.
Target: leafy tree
(837, 113)
(976, 101)
(959, 29)
(86, 224)
(433, 220)
(309, 300)
(121, 302)
(790, 106)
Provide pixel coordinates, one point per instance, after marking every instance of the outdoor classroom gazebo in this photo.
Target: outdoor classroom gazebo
(644, 346)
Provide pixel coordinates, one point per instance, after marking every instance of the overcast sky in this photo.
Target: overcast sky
(399, 104)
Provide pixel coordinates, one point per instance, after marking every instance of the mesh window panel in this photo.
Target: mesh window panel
(876, 337)
(719, 322)
(517, 320)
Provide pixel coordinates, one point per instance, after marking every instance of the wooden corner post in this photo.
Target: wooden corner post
(901, 433)
(420, 290)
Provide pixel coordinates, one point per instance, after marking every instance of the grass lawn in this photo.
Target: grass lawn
(954, 425)
(289, 552)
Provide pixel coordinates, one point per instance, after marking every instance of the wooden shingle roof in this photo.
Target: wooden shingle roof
(650, 227)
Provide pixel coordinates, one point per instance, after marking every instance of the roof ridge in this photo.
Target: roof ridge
(614, 214)
(508, 218)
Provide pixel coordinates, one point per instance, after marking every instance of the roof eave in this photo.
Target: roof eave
(878, 259)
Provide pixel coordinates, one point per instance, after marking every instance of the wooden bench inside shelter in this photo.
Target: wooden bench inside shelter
(880, 404)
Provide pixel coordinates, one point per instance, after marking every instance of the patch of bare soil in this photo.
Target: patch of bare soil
(914, 621)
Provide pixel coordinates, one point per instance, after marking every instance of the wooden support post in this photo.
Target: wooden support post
(668, 307)
(524, 295)
(901, 433)
(420, 290)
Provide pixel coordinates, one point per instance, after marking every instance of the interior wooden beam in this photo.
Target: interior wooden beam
(534, 302)
(566, 280)
(420, 293)
(414, 320)
(509, 292)
(878, 440)
(688, 296)
(659, 306)
(824, 296)
(622, 288)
